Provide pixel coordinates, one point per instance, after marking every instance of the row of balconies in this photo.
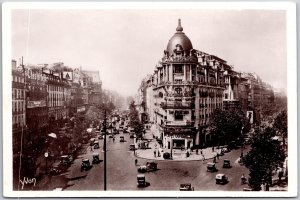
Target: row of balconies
(163, 83)
(180, 123)
(177, 105)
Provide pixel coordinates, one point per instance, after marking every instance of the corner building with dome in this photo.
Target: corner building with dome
(186, 87)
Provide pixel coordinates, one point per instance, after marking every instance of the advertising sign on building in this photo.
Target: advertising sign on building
(36, 104)
(68, 75)
(76, 76)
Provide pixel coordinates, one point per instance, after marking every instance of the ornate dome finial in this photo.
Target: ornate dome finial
(179, 27)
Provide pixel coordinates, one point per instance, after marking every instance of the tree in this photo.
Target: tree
(134, 120)
(265, 156)
(280, 123)
(92, 116)
(227, 124)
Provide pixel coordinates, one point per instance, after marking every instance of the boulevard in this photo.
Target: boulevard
(122, 171)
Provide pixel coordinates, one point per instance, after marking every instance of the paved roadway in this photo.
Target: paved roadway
(121, 171)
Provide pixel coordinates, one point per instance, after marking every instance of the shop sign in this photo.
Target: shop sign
(36, 104)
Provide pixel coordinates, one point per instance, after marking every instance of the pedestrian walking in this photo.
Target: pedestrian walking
(113, 139)
(154, 153)
(92, 148)
(203, 158)
(267, 187)
(136, 161)
(213, 149)
(215, 159)
(197, 151)
(201, 152)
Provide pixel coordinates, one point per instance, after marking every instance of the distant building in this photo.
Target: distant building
(260, 94)
(18, 107)
(58, 92)
(37, 108)
(95, 76)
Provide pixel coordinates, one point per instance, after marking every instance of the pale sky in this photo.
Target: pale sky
(125, 45)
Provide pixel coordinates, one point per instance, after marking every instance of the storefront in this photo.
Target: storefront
(178, 138)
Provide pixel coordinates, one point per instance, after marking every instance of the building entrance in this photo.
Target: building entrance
(178, 143)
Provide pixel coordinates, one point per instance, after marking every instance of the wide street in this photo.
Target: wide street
(122, 172)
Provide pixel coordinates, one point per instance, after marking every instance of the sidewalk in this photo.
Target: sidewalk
(177, 154)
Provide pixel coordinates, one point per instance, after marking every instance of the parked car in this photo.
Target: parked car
(211, 167)
(57, 169)
(85, 164)
(226, 163)
(149, 166)
(122, 139)
(221, 179)
(247, 141)
(96, 158)
(92, 140)
(96, 144)
(225, 149)
(132, 147)
(66, 159)
(141, 180)
(186, 187)
(100, 137)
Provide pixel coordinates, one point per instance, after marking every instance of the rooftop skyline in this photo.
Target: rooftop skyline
(125, 45)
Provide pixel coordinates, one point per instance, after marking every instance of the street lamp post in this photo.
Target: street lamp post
(46, 156)
(104, 148)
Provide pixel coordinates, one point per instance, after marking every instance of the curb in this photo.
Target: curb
(173, 160)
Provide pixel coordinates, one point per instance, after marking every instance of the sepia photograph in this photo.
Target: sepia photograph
(149, 99)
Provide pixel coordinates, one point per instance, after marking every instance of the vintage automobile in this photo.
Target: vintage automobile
(100, 137)
(96, 158)
(141, 180)
(57, 169)
(225, 149)
(149, 166)
(92, 140)
(132, 147)
(122, 139)
(85, 164)
(211, 167)
(186, 187)
(125, 130)
(96, 144)
(221, 179)
(111, 136)
(66, 159)
(226, 163)
(247, 140)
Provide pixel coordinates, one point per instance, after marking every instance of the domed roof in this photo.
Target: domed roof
(179, 38)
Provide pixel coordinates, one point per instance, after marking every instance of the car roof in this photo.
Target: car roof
(95, 154)
(219, 175)
(140, 175)
(85, 159)
(210, 163)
